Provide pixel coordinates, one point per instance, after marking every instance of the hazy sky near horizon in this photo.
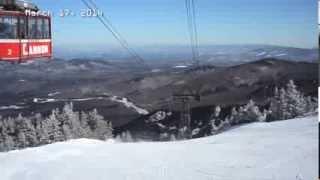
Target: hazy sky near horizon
(163, 22)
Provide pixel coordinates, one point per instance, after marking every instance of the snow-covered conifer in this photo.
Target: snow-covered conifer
(289, 103)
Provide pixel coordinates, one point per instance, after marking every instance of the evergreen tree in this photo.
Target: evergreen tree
(128, 137)
(173, 137)
(21, 132)
(246, 114)
(289, 103)
(27, 136)
(215, 121)
(118, 138)
(86, 130)
(71, 122)
(9, 143)
(101, 128)
(296, 101)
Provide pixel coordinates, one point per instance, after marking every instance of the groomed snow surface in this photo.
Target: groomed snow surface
(284, 150)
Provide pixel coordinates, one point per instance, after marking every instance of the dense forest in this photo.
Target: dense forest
(65, 124)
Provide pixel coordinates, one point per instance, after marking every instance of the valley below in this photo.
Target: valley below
(126, 92)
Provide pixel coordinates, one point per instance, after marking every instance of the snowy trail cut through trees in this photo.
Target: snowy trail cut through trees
(284, 150)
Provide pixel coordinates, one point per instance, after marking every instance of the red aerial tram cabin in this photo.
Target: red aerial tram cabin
(24, 34)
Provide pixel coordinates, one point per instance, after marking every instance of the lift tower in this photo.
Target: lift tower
(184, 100)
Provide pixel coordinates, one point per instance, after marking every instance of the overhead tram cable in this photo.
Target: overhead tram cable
(109, 26)
(195, 26)
(193, 30)
(182, 98)
(112, 27)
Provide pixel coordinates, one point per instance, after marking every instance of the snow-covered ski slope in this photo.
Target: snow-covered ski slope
(284, 150)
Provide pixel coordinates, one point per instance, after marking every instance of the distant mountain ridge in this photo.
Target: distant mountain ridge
(213, 54)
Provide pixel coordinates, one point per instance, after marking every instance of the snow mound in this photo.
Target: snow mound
(284, 150)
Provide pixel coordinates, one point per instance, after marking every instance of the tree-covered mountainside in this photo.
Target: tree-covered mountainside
(21, 132)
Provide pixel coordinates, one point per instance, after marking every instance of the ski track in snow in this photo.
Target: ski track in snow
(50, 100)
(129, 104)
(261, 53)
(53, 94)
(284, 150)
(282, 54)
(11, 107)
(117, 99)
(180, 67)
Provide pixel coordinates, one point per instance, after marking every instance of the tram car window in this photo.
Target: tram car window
(8, 27)
(22, 28)
(46, 29)
(39, 28)
(32, 28)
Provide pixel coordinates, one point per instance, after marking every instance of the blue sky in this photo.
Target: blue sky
(163, 22)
